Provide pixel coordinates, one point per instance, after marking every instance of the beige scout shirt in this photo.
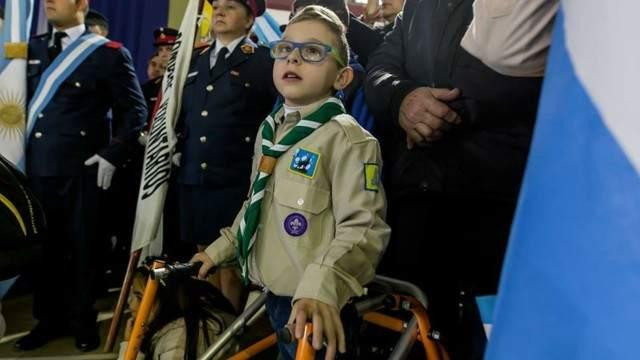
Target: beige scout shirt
(511, 36)
(346, 233)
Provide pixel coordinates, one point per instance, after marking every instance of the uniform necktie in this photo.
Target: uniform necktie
(270, 154)
(221, 60)
(56, 49)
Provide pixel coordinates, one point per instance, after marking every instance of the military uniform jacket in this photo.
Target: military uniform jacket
(221, 110)
(321, 232)
(74, 126)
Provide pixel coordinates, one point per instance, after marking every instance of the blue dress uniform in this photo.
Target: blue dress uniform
(72, 128)
(222, 110)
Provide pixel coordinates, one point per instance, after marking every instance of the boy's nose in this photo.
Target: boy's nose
(294, 57)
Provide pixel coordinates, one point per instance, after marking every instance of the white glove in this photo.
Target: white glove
(175, 159)
(105, 170)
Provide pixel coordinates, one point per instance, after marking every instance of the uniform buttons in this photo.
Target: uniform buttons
(40, 116)
(424, 185)
(209, 88)
(300, 202)
(77, 84)
(247, 85)
(204, 113)
(38, 135)
(203, 139)
(203, 166)
(247, 139)
(83, 133)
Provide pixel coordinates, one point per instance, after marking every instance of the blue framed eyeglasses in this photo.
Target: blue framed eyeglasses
(312, 52)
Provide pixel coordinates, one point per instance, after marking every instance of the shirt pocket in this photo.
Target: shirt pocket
(302, 213)
(498, 8)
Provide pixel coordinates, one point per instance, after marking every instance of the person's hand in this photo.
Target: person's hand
(105, 170)
(175, 159)
(207, 264)
(326, 323)
(370, 18)
(424, 115)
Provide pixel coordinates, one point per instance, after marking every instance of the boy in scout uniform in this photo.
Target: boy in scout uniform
(312, 229)
(228, 92)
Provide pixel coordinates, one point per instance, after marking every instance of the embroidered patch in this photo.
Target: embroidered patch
(371, 177)
(295, 224)
(247, 49)
(304, 162)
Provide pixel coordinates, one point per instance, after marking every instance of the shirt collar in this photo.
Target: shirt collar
(230, 46)
(73, 33)
(300, 112)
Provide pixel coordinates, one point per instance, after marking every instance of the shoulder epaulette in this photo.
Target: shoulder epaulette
(355, 133)
(113, 44)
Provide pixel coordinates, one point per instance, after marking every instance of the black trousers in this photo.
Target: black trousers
(452, 247)
(74, 245)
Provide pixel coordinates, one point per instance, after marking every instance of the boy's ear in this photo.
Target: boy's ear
(344, 78)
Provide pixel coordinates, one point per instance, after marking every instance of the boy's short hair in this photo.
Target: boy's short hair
(331, 21)
(337, 6)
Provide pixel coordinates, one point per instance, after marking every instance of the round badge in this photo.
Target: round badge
(295, 224)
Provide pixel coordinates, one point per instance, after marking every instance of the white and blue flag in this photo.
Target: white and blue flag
(570, 287)
(14, 40)
(267, 28)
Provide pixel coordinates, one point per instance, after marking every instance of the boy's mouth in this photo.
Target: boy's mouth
(290, 75)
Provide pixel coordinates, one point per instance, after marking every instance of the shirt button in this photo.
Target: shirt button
(203, 139)
(40, 116)
(38, 135)
(209, 88)
(300, 202)
(203, 166)
(204, 113)
(247, 85)
(424, 185)
(83, 133)
(247, 139)
(77, 84)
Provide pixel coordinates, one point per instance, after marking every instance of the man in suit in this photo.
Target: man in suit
(227, 94)
(72, 153)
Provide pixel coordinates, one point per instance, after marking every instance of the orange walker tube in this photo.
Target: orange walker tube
(305, 350)
(137, 333)
(256, 348)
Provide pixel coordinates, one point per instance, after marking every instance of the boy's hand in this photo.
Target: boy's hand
(206, 261)
(326, 323)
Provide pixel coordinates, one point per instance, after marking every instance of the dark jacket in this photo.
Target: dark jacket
(486, 155)
(74, 125)
(221, 112)
(362, 39)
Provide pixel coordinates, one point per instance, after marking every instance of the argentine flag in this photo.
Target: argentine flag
(267, 28)
(14, 40)
(570, 287)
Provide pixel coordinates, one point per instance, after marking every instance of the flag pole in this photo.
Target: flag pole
(160, 143)
(122, 299)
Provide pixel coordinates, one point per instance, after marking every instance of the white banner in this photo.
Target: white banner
(161, 141)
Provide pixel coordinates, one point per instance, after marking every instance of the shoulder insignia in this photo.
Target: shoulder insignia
(355, 133)
(372, 177)
(247, 49)
(113, 44)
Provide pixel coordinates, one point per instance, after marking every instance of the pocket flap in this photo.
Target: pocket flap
(301, 196)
